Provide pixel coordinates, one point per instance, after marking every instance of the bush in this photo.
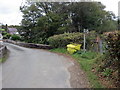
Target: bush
(113, 45)
(90, 41)
(15, 37)
(109, 63)
(112, 49)
(63, 39)
(6, 35)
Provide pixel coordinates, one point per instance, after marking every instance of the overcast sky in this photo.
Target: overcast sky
(11, 15)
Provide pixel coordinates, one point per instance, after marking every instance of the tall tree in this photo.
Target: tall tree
(47, 17)
(44, 19)
(89, 15)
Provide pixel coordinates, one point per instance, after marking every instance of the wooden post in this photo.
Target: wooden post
(84, 42)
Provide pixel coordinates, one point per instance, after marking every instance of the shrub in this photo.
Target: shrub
(109, 63)
(112, 50)
(15, 37)
(113, 45)
(90, 41)
(6, 35)
(63, 39)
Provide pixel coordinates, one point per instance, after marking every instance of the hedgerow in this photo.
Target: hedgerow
(109, 63)
(15, 37)
(63, 39)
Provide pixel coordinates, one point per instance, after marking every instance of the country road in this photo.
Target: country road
(35, 68)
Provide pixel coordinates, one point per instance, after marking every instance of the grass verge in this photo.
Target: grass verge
(0, 60)
(86, 61)
(4, 58)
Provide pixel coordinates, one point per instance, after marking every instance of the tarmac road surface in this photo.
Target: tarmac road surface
(35, 68)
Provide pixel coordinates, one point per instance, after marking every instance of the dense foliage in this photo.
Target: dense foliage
(112, 49)
(15, 37)
(63, 39)
(44, 19)
(6, 35)
(113, 42)
(109, 62)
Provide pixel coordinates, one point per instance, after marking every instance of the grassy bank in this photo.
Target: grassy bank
(86, 61)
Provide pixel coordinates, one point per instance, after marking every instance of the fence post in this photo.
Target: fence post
(84, 42)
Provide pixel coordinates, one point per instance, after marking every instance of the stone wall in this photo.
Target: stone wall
(29, 45)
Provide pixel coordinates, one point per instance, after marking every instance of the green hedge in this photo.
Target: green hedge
(109, 63)
(6, 35)
(113, 45)
(63, 39)
(15, 37)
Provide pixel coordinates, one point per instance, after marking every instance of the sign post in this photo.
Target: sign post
(84, 41)
(84, 46)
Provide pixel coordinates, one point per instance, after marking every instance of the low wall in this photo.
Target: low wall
(29, 45)
(3, 51)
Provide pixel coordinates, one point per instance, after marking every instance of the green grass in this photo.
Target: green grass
(3, 59)
(86, 61)
(59, 50)
(0, 60)
(87, 65)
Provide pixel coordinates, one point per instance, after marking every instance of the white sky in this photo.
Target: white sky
(11, 15)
